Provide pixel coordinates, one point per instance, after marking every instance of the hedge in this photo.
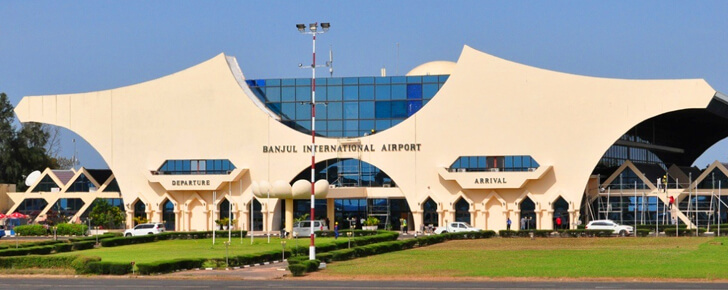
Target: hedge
(525, 233)
(31, 230)
(66, 229)
(170, 265)
(670, 232)
(93, 238)
(37, 262)
(39, 250)
(78, 246)
(342, 233)
(108, 268)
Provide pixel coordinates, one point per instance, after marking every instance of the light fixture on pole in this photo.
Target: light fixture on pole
(313, 30)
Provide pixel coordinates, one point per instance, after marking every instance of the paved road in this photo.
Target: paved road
(143, 283)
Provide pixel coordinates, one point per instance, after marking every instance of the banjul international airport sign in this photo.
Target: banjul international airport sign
(395, 147)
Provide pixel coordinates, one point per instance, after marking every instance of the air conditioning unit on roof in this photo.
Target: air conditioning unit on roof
(532, 169)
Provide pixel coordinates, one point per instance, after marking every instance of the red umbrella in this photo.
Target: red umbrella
(17, 215)
(2, 215)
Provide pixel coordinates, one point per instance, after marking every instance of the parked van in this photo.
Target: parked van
(303, 228)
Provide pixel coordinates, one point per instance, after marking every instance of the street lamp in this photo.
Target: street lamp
(295, 237)
(283, 251)
(313, 30)
(349, 235)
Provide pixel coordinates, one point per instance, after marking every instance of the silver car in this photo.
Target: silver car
(303, 228)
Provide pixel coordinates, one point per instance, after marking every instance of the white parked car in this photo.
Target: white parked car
(616, 228)
(145, 229)
(456, 227)
(303, 228)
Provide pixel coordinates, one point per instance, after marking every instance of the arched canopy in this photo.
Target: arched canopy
(348, 172)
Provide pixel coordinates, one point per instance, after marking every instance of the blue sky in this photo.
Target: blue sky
(49, 47)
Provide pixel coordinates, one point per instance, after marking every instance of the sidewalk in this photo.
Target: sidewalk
(263, 272)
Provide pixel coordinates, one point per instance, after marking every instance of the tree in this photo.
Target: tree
(106, 215)
(22, 151)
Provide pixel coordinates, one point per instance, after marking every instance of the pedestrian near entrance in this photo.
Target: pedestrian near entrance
(672, 200)
(508, 224)
(336, 230)
(404, 226)
(558, 222)
(523, 223)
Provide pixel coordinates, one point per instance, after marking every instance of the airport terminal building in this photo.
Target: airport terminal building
(481, 140)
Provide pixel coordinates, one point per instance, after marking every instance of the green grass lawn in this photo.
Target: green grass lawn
(173, 249)
(686, 258)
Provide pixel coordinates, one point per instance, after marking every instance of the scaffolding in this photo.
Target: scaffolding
(381, 209)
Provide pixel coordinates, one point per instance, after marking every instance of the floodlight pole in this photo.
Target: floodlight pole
(313, 30)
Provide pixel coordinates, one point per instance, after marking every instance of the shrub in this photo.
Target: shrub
(106, 268)
(297, 269)
(60, 248)
(66, 229)
(37, 262)
(169, 266)
(312, 265)
(79, 264)
(40, 250)
(78, 246)
(642, 232)
(31, 230)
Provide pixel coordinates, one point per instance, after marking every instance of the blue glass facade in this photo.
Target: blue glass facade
(347, 107)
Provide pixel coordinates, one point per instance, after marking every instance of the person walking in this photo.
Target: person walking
(508, 224)
(336, 230)
(672, 200)
(404, 225)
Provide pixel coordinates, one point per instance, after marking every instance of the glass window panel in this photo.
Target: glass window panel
(366, 80)
(275, 107)
(288, 82)
(413, 107)
(335, 125)
(186, 165)
(335, 110)
(226, 164)
(333, 93)
(303, 94)
(273, 82)
(351, 93)
(383, 124)
(351, 133)
(414, 79)
(481, 162)
(429, 90)
(383, 80)
(335, 134)
(202, 165)
(396, 121)
(303, 111)
(366, 110)
(366, 125)
(473, 162)
(399, 80)
(303, 82)
(320, 126)
(320, 93)
(414, 91)
(351, 81)
(424, 102)
(273, 94)
(351, 125)
(383, 110)
(399, 92)
(443, 78)
(320, 82)
(289, 110)
(210, 165)
(517, 162)
(399, 109)
(320, 111)
(351, 110)
(383, 92)
(366, 92)
(429, 79)
(333, 81)
(288, 94)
